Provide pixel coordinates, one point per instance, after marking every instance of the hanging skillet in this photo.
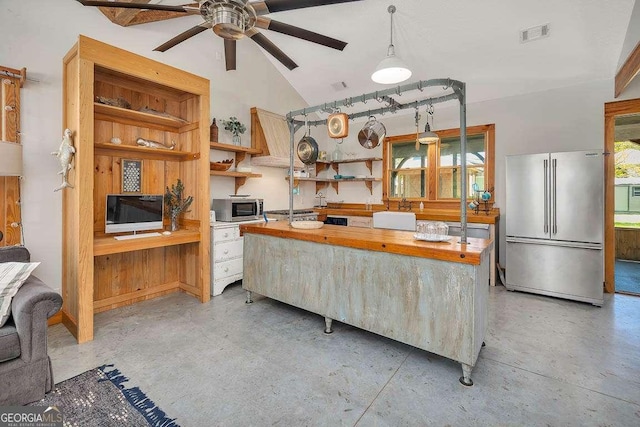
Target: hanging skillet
(307, 149)
(372, 133)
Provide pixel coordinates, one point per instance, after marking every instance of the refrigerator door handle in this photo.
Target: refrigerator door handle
(554, 219)
(546, 242)
(546, 196)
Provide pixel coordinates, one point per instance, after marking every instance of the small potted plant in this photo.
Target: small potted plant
(234, 126)
(176, 203)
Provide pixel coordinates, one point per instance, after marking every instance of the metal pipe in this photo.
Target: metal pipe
(463, 152)
(291, 143)
(447, 83)
(382, 110)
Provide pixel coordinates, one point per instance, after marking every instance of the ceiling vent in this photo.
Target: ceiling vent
(338, 86)
(534, 33)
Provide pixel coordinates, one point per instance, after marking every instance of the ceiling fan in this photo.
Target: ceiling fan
(235, 19)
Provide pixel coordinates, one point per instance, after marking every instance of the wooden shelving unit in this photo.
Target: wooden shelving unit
(99, 272)
(323, 182)
(120, 150)
(322, 165)
(240, 153)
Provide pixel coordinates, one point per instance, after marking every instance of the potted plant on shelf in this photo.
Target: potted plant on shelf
(234, 126)
(176, 203)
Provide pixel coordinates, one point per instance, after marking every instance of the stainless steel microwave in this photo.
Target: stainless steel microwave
(237, 209)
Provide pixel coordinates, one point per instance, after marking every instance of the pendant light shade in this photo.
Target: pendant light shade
(428, 136)
(391, 69)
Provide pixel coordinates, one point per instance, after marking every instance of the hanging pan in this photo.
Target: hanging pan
(372, 134)
(307, 149)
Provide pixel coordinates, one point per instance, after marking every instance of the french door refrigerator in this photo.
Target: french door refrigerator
(555, 224)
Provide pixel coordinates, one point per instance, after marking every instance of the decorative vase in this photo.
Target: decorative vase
(174, 223)
(236, 140)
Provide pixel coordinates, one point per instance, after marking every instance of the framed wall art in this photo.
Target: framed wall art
(131, 176)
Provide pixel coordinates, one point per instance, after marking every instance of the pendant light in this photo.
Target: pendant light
(428, 136)
(391, 69)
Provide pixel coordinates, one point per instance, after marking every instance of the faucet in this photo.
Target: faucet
(403, 204)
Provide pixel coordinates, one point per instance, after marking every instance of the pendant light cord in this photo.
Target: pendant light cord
(391, 10)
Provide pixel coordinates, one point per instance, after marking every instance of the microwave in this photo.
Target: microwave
(237, 209)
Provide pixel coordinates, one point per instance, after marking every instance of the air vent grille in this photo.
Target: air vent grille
(534, 33)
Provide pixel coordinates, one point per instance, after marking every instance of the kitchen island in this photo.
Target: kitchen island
(431, 295)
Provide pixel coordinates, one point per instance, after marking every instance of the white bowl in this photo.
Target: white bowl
(307, 225)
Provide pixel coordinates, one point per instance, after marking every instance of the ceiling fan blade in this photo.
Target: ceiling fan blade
(301, 33)
(182, 37)
(230, 54)
(268, 45)
(127, 5)
(270, 6)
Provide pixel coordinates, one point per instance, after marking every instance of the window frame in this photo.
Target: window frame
(633, 191)
(433, 150)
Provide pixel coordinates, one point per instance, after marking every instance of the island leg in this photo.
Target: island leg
(465, 379)
(327, 325)
(249, 300)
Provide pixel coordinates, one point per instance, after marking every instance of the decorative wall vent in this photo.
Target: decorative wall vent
(534, 33)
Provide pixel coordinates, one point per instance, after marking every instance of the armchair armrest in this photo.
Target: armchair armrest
(14, 254)
(34, 303)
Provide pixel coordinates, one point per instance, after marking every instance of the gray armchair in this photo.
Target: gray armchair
(25, 367)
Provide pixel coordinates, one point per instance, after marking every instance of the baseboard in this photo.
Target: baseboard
(55, 319)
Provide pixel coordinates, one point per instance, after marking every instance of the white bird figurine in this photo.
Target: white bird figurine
(65, 154)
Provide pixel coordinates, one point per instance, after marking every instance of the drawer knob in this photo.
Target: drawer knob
(226, 269)
(226, 251)
(226, 234)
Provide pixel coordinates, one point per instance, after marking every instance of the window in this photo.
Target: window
(432, 173)
(636, 191)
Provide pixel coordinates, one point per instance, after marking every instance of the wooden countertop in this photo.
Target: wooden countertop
(424, 215)
(376, 239)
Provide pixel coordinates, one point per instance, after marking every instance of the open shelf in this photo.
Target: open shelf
(322, 182)
(109, 245)
(121, 150)
(322, 165)
(241, 152)
(240, 177)
(139, 118)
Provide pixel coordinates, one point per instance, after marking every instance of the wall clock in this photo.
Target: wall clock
(338, 125)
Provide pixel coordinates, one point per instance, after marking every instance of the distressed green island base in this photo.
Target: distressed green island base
(382, 281)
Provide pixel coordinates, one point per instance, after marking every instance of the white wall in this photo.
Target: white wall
(632, 37)
(36, 34)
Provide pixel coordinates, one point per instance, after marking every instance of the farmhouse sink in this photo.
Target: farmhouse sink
(395, 220)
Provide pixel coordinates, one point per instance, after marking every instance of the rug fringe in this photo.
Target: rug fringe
(152, 413)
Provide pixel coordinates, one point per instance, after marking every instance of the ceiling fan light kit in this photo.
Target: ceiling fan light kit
(234, 19)
(392, 69)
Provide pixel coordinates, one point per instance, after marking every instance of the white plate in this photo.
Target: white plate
(307, 225)
(435, 238)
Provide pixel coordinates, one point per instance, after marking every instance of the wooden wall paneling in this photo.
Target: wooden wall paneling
(10, 117)
(3, 216)
(10, 187)
(628, 244)
(103, 185)
(153, 176)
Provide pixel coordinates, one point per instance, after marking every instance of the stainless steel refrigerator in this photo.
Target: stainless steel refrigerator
(555, 224)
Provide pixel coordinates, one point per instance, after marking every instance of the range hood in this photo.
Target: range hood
(270, 133)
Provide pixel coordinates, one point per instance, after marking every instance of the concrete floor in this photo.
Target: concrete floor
(547, 362)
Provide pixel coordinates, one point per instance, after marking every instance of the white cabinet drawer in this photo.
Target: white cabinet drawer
(227, 268)
(227, 250)
(224, 234)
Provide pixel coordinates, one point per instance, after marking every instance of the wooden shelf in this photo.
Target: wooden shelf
(241, 177)
(241, 152)
(322, 182)
(138, 118)
(120, 150)
(322, 165)
(109, 245)
(235, 174)
(234, 148)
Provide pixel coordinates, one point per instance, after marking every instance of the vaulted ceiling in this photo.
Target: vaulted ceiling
(473, 41)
